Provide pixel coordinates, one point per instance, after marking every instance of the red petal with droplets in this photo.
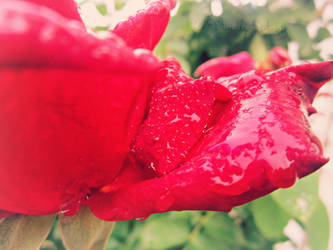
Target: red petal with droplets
(226, 66)
(179, 111)
(67, 117)
(145, 29)
(262, 142)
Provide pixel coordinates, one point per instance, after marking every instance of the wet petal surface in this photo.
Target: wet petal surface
(178, 113)
(261, 142)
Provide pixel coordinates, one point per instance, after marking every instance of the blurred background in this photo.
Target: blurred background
(297, 218)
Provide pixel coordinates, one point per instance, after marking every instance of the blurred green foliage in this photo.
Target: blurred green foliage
(194, 35)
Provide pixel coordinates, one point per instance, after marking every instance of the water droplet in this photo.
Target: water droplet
(207, 166)
(107, 188)
(164, 202)
(101, 51)
(194, 117)
(175, 120)
(47, 33)
(152, 166)
(142, 218)
(18, 24)
(69, 212)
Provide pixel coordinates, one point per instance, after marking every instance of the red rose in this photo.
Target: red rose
(95, 122)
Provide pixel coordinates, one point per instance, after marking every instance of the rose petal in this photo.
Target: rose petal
(179, 111)
(63, 131)
(262, 142)
(145, 29)
(226, 66)
(66, 123)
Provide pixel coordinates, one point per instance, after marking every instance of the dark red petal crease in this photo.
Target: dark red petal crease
(145, 29)
(262, 142)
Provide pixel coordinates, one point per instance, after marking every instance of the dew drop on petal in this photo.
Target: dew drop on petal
(164, 202)
(142, 218)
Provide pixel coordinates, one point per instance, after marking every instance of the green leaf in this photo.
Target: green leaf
(177, 46)
(119, 4)
(165, 232)
(183, 62)
(207, 242)
(298, 32)
(317, 228)
(301, 200)
(322, 34)
(221, 226)
(24, 232)
(48, 245)
(101, 28)
(269, 23)
(102, 9)
(306, 4)
(84, 231)
(269, 217)
(258, 48)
